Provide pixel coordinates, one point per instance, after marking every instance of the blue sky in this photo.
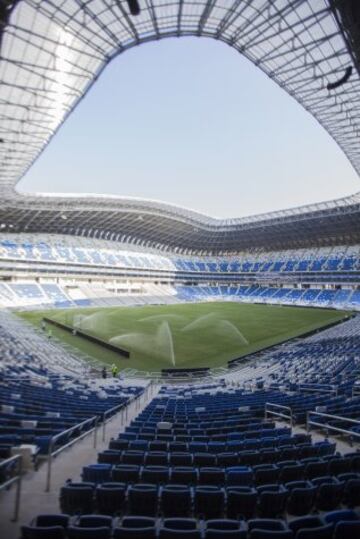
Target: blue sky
(191, 122)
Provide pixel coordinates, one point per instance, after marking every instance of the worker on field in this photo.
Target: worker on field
(114, 370)
(43, 325)
(104, 373)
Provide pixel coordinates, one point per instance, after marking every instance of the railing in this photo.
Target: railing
(322, 389)
(310, 423)
(17, 461)
(269, 411)
(105, 417)
(51, 453)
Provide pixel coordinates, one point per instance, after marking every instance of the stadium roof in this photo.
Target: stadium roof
(52, 51)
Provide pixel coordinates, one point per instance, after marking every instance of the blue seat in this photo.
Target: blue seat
(269, 528)
(126, 473)
(347, 530)
(249, 458)
(184, 475)
(311, 526)
(156, 458)
(166, 533)
(329, 492)
(119, 445)
(143, 499)
(316, 469)
(177, 446)
(180, 523)
(219, 528)
(133, 457)
(97, 473)
(343, 514)
(301, 497)
(291, 472)
(339, 465)
(272, 500)
(211, 476)
(139, 445)
(270, 524)
(241, 502)
(136, 528)
(227, 459)
(322, 532)
(75, 532)
(351, 493)
(94, 521)
(179, 528)
(266, 474)
(269, 534)
(109, 456)
(44, 520)
(175, 501)
(204, 459)
(157, 445)
(110, 498)
(77, 498)
(180, 459)
(209, 502)
(155, 474)
(42, 532)
(239, 476)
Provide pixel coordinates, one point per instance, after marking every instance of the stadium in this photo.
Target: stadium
(164, 373)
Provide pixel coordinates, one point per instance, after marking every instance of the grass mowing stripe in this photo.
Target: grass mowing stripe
(185, 335)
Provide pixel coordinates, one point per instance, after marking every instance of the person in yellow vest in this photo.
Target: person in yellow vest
(114, 370)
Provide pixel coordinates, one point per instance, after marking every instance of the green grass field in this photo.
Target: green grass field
(186, 335)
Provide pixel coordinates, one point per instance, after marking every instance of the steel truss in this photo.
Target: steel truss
(52, 52)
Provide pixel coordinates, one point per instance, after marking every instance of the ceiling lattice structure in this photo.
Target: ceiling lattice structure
(52, 51)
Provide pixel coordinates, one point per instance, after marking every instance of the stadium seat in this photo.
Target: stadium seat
(239, 476)
(77, 498)
(143, 500)
(301, 497)
(209, 502)
(184, 475)
(241, 502)
(110, 498)
(175, 501)
(136, 528)
(43, 532)
(346, 530)
(179, 528)
(126, 473)
(311, 526)
(221, 528)
(272, 500)
(97, 473)
(211, 476)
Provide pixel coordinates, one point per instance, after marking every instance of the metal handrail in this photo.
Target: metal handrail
(279, 414)
(105, 417)
(308, 387)
(15, 479)
(328, 427)
(51, 453)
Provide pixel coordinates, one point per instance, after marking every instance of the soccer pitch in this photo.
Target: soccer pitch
(184, 335)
